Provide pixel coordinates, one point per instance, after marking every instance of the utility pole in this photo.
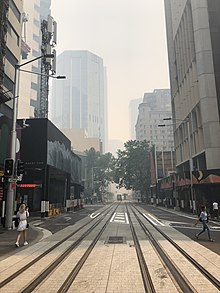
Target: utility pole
(12, 179)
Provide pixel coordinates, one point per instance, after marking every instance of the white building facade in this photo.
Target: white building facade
(81, 100)
(155, 107)
(193, 32)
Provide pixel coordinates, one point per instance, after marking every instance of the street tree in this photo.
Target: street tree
(99, 172)
(132, 169)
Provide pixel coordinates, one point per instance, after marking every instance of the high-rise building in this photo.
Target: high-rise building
(133, 115)
(29, 93)
(10, 32)
(10, 44)
(80, 101)
(193, 33)
(155, 107)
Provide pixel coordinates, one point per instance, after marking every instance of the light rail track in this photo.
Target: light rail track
(59, 259)
(182, 282)
(148, 284)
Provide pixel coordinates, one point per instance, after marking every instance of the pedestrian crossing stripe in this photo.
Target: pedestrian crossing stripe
(119, 218)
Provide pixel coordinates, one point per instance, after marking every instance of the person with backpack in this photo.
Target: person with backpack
(203, 218)
(22, 215)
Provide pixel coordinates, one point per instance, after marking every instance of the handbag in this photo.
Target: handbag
(27, 226)
(16, 220)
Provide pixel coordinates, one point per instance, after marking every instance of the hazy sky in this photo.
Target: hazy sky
(130, 37)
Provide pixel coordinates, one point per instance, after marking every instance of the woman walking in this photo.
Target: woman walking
(204, 219)
(22, 214)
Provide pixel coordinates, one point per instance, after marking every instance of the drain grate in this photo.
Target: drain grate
(115, 240)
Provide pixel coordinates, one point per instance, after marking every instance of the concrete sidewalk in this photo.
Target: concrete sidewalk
(8, 239)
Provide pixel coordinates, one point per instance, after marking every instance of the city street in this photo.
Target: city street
(122, 247)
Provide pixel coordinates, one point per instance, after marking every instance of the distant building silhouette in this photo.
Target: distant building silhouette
(81, 100)
(133, 115)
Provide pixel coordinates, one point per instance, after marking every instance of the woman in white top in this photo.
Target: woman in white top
(204, 219)
(22, 214)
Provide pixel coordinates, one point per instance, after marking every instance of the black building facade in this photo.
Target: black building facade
(52, 171)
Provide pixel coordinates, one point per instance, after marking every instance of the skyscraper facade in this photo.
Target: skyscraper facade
(10, 43)
(155, 107)
(29, 96)
(80, 101)
(193, 33)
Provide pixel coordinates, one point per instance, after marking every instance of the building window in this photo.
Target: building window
(10, 57)
(36, 38)
(35, 53)
(36, 22)
(15, 10)
(13, 33)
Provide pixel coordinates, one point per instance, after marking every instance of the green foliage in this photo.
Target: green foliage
(99, 171)
(133, 166)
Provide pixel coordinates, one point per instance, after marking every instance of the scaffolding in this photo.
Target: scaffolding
(48, 29)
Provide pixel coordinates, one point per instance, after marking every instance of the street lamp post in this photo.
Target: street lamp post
(187, 121)
(12, 179)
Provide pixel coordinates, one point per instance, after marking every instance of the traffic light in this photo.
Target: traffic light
(20, 168)
(8, 167)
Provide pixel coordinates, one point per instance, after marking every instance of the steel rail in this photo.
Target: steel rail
(148, 283)
(180, 279)
(71, 277)
(197, 265)
(31, 286)
(34, 261)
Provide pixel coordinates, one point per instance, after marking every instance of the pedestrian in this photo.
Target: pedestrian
(204, 219)
(22, 214)
(215, 209)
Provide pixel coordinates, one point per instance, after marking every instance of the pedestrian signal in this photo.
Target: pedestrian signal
(8, 167)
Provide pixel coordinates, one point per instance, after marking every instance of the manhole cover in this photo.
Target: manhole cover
(115, 240)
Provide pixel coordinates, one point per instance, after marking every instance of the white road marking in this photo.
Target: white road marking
(155, 219)
(93, 215)
(120, 218)
(149, 219)
(126, 217)
(112, 217)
